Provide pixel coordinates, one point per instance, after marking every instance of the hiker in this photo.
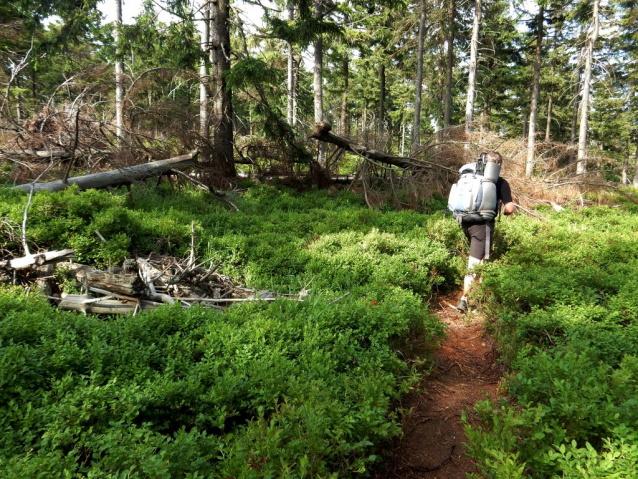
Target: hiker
(480, 232)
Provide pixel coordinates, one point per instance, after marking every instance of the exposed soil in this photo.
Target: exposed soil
(465, 371)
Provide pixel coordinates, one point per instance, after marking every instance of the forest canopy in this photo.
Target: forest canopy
(245, 82)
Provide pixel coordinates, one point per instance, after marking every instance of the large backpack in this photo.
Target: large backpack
(473, 198)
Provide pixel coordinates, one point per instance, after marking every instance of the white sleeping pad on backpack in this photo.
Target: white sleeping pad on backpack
(473, 198)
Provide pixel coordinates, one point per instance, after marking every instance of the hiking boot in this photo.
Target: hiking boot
(462, 306)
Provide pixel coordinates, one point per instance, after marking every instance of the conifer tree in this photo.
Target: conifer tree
(628, 77)
(449, 66)
(585, 100)
(531, 142)
(416, 128)
(222, 112)
(471, 82)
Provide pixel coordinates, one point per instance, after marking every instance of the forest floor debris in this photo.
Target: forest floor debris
(136, 285)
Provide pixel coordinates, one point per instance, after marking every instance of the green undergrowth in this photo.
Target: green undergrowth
(282, 389)
(563, 299)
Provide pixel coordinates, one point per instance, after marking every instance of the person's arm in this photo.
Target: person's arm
(508, 208)
(505, 193)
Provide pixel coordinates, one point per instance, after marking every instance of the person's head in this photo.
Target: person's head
(494, 157)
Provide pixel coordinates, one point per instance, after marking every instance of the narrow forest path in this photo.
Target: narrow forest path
(465, 371)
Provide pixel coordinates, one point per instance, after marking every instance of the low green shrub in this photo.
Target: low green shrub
(564, 308)
(281, 389)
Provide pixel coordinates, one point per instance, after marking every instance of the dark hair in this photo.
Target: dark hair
(494, 157)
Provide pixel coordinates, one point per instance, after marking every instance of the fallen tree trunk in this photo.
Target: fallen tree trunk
(104, 305)
(37, 259)
(322, 132)
(47, 154)
(127, 284)
(121, 176)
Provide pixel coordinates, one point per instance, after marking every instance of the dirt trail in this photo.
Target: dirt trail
(465, 370)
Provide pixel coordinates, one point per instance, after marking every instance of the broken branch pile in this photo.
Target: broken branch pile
(140, 284)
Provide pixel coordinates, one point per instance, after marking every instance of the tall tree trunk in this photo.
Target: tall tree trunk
(416, 128)
(381, 125)
(345, 72)
(222, 114)
(318, 82)
(576, 108)
(119, 118)
(548, 125)
(471, 82)
(34, 86)
(204, 81)
(18, 103)
(636, 167)
(550, 100)
(364, 123)
(295, 90)
(402, 136)
(624, 173)
(533, 112)
(291, 71)
(450, 64)
(440, 87)
(485, 116)
(584, 107)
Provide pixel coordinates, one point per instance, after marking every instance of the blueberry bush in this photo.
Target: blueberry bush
(283, 389)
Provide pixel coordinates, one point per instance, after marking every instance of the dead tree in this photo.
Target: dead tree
(322, 132)
(121, 176)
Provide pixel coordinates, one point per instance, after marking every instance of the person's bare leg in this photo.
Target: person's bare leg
(467, 282)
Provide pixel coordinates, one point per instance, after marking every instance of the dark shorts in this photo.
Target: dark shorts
(477, 234)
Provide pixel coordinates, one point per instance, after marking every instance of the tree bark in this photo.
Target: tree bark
(18, 103)
(122, 176)
(450, 64)
(416, 128)
(636, 167)
(222, 114)
(533, 112)
(548, 125)
(550, 100)
(471, 82)
(584, 107)
(381, 105)
(317, 81)
(576, 108)
(291, 72)
(119, 116)
(345, 71)
(204, 81)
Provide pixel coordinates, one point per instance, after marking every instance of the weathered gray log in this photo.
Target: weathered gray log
(47, 154)
(37, 259)
(322, 132)
(128, 284)
(104, 305)
(123, 284)
(121, 176)
(148, 273)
